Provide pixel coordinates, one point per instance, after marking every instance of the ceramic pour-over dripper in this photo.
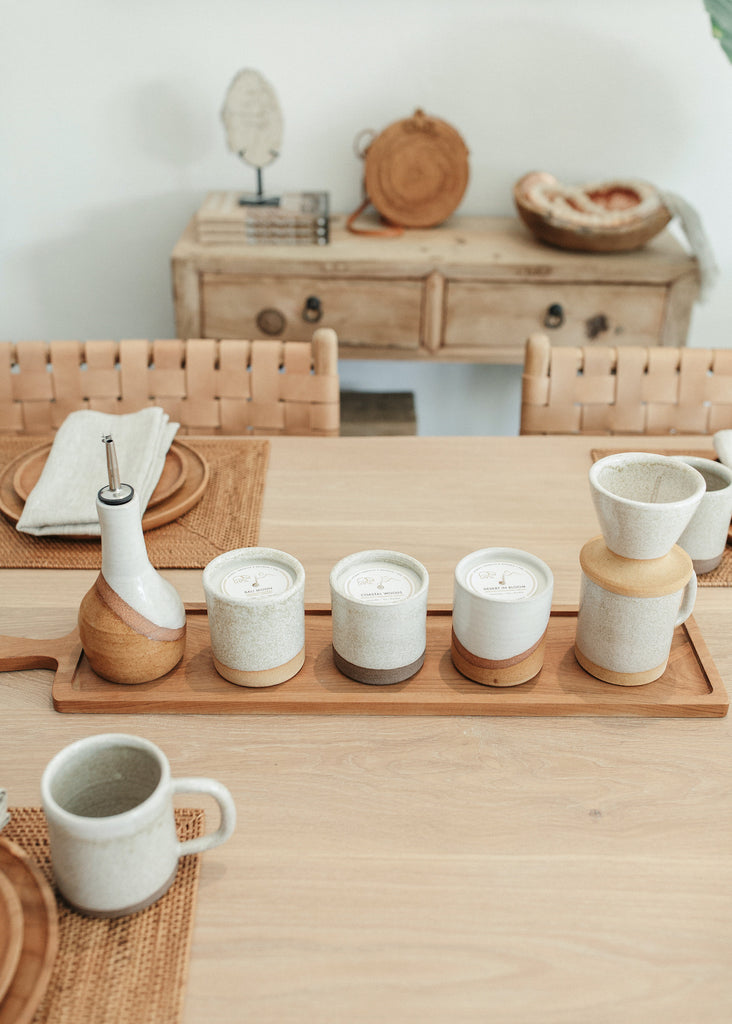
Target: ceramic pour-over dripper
(637, 583)
(644, 501)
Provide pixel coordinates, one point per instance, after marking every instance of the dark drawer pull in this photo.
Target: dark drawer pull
(312, 310)
(271, 322)
(554, 316)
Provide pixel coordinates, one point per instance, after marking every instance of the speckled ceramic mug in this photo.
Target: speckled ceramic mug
(256, 615)
(705, 538)
(111, 823)
(628, 611)
(644, 501)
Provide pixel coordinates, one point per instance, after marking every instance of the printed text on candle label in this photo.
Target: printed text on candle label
(506, 581)
(256, 581)
(379, 586)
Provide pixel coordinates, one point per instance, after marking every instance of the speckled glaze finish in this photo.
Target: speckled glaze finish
(628, 611)
(497, 629)
(644, 502)
(132, 622)
(127, 569)
(111, 824)
(722, 441)
(379, 638)
(705, 537)
(254, 637)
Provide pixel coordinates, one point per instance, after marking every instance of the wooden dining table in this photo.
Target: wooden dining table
(418, 868)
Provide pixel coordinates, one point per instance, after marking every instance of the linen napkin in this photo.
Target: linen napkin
(64, 499)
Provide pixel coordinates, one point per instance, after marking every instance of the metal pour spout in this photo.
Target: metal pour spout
(116, 493)
(112, 464)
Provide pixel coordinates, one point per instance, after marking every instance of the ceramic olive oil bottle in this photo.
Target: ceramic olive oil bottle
(132, 622)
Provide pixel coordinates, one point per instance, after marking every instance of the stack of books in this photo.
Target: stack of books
(297, 218)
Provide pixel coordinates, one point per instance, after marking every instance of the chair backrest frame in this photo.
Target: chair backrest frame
(624, 390)
(209, 387)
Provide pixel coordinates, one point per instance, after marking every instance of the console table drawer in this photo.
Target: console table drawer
(486, 315)
(369, 313)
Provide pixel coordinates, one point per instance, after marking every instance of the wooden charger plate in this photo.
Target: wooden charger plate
(11, 932)
(40, 935)
(181, 485)
(30, 467)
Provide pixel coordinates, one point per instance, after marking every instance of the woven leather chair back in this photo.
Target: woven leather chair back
(625, 390)
(209, 387)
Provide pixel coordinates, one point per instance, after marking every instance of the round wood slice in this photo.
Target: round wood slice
(40, 935)
(416, 171)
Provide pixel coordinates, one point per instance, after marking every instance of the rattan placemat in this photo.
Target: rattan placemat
(722, 575)
(226, 517)
(122, 970)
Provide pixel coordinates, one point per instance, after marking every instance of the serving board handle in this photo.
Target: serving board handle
(60, 653)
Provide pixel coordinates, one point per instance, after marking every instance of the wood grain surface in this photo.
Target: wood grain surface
(432, 868)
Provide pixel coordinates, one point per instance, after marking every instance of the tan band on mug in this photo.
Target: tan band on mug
(264, 676)
(377, 676)
(506, 672)
(125, 613)
(473, 659)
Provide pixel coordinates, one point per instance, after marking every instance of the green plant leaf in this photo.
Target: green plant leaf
(720, 15)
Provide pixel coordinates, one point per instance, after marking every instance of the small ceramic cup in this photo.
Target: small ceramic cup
(501, 606)
(111, 823)
(379, 607)
(628, 611)
(256, 615)
(705, 537)
(643, 501)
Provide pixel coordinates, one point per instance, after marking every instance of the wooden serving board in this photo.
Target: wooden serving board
(690, 687)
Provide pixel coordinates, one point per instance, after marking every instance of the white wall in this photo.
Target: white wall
(110, 138)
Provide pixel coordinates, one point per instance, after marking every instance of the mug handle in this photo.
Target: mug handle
(227, 809)
(687, 602)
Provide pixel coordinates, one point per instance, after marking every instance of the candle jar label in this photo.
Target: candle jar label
(377, 585)
(506, 581)
(256, 581)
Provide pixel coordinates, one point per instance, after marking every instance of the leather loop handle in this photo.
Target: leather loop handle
(388, 232)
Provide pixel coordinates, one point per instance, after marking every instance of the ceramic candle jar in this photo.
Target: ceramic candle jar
(379, 605)
(501, 607)
(256, 613)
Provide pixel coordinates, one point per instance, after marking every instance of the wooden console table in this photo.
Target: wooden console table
(471, 290)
